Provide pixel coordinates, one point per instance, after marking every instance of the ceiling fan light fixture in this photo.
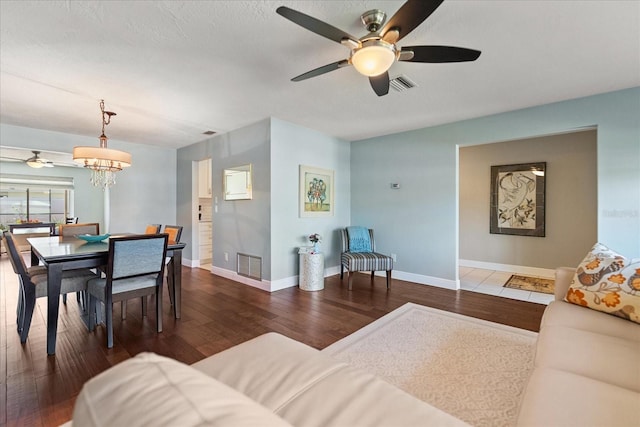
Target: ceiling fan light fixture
(373, 58)
(35, 163)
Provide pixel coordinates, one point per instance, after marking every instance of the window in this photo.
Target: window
(30, 198)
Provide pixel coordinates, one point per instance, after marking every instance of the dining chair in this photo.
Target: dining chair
(359, 254)
(174, 232)
(33, 285)
(135, 269)
(152, 229)
(67, 230)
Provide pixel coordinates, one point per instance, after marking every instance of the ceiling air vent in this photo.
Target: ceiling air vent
(402, 83)
(209, 132)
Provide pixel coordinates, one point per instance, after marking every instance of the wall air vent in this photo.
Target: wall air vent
(209, 132)
(249, 266)
(402, 83)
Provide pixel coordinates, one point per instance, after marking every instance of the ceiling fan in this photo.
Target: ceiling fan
(373, 54)
(34, 161)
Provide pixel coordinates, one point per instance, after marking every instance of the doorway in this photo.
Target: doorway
(204, 214)
(487, 260)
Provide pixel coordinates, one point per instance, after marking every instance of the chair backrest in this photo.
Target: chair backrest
(71, 220)
(17, 262)
(174, 232)
(345, 240)
(152, 229)
(136, 255)
(75, 229)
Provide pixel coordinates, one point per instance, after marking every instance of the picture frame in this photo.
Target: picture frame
(316, 192)
(517, 204)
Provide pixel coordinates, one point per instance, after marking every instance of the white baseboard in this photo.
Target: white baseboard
(421, 279)
(292, 281)
(265, 285)
(193, 263)
(516, 269)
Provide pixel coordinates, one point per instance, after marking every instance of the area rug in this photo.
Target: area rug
(470, 368)
(534, 284)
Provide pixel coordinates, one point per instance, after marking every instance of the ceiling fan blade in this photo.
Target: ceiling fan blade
(321, 70)
(438, 54)
(380, 84)
(315, 25)
(409, 16)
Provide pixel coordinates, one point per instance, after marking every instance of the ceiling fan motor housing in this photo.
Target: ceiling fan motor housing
(373, 19)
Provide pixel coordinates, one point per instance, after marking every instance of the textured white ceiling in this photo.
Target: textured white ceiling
(174, 69)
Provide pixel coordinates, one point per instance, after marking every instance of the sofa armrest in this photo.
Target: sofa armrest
(564, 275)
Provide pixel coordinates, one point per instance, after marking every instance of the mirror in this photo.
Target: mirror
(237, 183)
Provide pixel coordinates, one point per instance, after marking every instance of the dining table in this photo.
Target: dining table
(58, 253)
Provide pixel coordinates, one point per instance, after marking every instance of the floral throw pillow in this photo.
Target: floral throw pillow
(607, 281)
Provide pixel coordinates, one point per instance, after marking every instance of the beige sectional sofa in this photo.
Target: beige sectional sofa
(587, 367)
(587, 373)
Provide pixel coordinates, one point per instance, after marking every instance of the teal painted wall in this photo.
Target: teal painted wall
(419, 222)
(144, 193)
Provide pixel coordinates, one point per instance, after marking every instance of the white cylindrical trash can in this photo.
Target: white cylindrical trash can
(311, 270)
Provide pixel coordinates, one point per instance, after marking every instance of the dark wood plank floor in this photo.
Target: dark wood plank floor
(40, 390)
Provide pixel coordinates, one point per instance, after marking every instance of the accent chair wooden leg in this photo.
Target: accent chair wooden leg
(388, 278)
(372, 274)
(341, 271)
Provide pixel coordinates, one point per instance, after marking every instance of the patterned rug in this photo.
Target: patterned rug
(534, 284)
(472, 369)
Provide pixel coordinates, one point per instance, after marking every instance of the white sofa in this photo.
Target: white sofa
(586, 369)
(268, 381)
(587, 373)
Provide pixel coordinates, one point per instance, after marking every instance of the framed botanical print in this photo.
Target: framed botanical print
(518, 199)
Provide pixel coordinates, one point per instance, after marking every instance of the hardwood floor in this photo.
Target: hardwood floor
(37, 390)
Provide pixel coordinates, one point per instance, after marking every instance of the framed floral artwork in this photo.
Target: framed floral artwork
(316, 192)
(518, 199)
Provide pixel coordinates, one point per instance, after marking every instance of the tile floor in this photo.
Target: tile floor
(492, 281)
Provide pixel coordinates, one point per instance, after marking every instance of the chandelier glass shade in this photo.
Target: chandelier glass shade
(104, 162)
(373, 58)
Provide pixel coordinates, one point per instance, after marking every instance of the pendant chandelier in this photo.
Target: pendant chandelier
(103, 162)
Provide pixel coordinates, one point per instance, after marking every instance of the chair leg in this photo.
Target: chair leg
(92, 312)
(109, 323)
(64, 298)
(341, 270)
(388, 278)
(372, 274)
(350, 279)
(143, 302)
(170, 284)
(20, 309)
(159, 309)
(29, 305)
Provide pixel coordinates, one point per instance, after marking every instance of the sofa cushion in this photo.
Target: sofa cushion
(157, 391)
(308, 388)
(600, 357)
(557, 398)
(560, 313)
(607, 281)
